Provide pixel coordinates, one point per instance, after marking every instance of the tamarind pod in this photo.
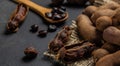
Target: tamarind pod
(17, 18)
(75, 52)
(60, 40)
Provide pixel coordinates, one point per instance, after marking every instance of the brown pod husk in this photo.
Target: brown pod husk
(17, 18)
(90, 10)
(87, 31)
(60, 39)
(102, 12)
(103, 22)
(116, 17)
(112, 6)
(75, 52)
(112, 35)
(99, 53)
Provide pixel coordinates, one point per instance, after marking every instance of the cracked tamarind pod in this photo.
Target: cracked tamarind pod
(17, 18)
(60, 39)
(75, 52)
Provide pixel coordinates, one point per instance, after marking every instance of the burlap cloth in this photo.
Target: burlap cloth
(74, 38)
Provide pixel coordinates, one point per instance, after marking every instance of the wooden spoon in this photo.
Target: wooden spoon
(41, 10)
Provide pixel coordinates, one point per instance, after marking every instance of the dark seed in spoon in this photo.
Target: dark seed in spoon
(63, 15)
(55, 10)
(52, 28)
(60, 11)
(56, 17)
(49, 15)
(63, 8)
(57, 13)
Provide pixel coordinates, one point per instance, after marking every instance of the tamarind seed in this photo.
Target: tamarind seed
(60, 11)
(30, 52)
(34, 28)
(52, 28)
(54, 10)
(63, 35)
(63, 15)
(56, 13)
(42, 33)
(63, 8)
(48, 14)
(13, 25)
(56, 17)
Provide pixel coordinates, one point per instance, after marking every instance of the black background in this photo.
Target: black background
(13, 45)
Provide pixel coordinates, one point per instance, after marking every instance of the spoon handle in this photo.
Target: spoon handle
(41, 10)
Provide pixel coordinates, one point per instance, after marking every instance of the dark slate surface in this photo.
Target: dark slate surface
(13, 45)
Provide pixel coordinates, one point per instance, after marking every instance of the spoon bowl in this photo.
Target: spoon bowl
(41, 10)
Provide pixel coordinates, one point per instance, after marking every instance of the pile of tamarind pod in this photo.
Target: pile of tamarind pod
(101, 25)
(72, 2)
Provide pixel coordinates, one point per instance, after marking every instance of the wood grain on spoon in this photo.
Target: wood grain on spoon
(41, 10)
